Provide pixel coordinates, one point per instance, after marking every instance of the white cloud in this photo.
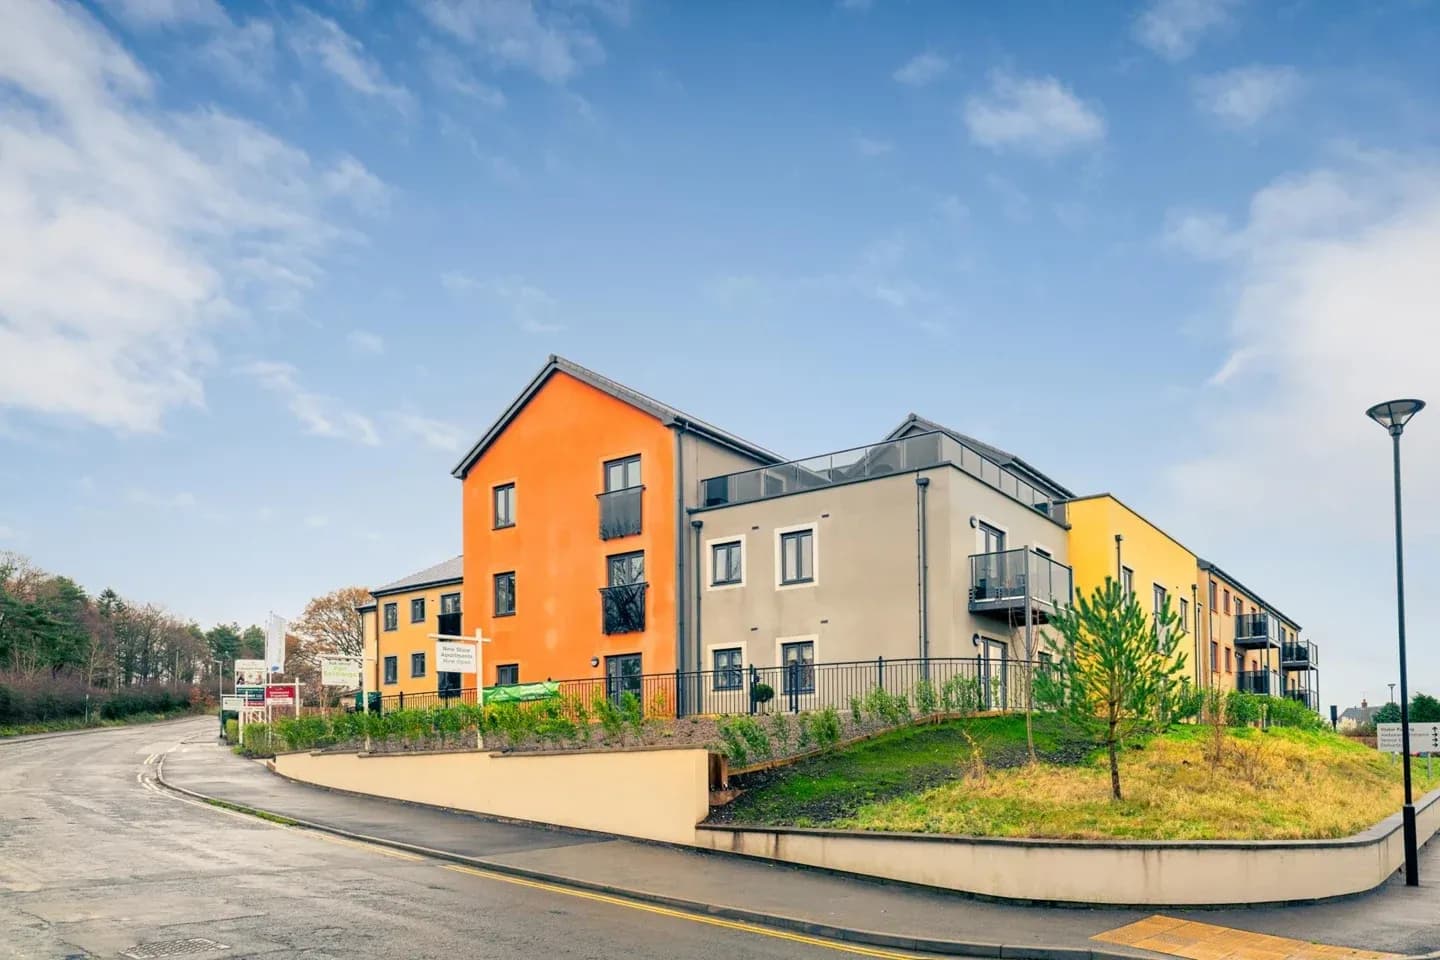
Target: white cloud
(127, 232)
(1330, 300)
(922, 69)
(1246, 95)
(362, 341)
(869, 147)
(320, 415)
(553, 44)
(343, 56)
(1035, 114)
(316, 521)
(448, 73)
(433, 433)
(349, 180)
(1172, 28)
(241, 53)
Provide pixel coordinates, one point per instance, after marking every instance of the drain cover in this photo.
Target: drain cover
(172, 948)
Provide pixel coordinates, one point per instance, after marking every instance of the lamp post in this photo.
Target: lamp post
(1392, 691)
(1393, 415)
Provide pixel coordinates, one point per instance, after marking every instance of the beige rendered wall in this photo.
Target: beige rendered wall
(862, 603)
(1156, 874)
(702, 459)
(865, 599)
(651, 794)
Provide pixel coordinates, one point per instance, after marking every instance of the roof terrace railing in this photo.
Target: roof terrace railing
(864, 463)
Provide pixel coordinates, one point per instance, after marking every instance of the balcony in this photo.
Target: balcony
(1299, 655)
(619, 513)
(448, 624)
(905, 455)
(1258, 681)
(1003, 584)
(622, 608)
(1311, 698)
(1255, 630)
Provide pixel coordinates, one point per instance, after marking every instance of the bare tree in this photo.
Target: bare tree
(330, 624)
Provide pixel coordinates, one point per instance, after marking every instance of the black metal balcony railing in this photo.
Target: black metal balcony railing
(1006, 581)
(917, 452)
(622, 608)
(1255, 629)
(1257, 681)
(1311, 698)
(620, 514)
(1299, 655)
(448, 624)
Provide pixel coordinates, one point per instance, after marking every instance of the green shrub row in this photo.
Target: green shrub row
(27, 700)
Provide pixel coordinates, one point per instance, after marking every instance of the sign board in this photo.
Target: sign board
(280, 695)
(275, 644)
(251, 693)
(249, 673)
(452, 657)
(1424, 737)
(232, 704)
(339, 672)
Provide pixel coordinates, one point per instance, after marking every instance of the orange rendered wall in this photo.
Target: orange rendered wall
(554, 452)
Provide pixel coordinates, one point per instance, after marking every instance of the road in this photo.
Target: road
(97, 860)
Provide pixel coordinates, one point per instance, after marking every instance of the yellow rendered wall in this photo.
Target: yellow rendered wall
(1146, 549)
(408, 638)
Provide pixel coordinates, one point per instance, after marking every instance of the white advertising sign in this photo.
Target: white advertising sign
(1424, 737)
(451, 657)
(232, 704)
(275, 644)
(249, 673)
(339, 672)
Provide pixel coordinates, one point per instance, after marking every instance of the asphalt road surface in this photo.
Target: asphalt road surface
(97, 860)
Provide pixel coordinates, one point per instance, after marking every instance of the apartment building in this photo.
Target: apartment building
(397, 626)
(1252, 646)
(927, 545)
(574, 529)
(1110, 540)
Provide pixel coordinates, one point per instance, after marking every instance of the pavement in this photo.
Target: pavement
(1393, 919)
(98, 860)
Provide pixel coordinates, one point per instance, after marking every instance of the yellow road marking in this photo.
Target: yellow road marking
(1207, 941)
(686, 915)
(359, 845)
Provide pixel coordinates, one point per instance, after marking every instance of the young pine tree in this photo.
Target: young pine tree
(1118, 670)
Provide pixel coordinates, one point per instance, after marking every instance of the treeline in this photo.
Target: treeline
(58, 644)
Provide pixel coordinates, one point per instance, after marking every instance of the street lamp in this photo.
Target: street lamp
(1392, 691)
(1393, 415)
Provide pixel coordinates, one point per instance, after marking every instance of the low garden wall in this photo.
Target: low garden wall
(653, 794)
(1130, 873)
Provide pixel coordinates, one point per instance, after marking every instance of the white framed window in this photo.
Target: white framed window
(726, 559)
(797, 556)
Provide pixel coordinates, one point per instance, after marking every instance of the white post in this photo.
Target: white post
(479, 640)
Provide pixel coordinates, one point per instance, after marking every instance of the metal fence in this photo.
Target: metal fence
(957, 684)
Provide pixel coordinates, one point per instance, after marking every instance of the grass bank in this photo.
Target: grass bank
(78, 723)
(971, 777)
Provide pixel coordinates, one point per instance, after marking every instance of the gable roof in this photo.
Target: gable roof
(1002, 457)
(450, 571)
(666, 414)
(1214, 568)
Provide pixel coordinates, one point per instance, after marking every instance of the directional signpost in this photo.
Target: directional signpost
(232, 704)
(461, 654)
(1424, 737)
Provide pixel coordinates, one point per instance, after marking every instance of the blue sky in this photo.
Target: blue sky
(265, 269)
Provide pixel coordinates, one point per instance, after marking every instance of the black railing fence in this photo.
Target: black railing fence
(952, 684)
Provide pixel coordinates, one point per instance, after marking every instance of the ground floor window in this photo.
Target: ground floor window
(798, 661)
(507, 674)
(728, 668)
(622, 676)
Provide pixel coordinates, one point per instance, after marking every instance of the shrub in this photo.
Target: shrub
(755, 738)
(802, 725)
(633, 713)
(926, 700)
(761, 693)
(960, 694)
(780, 727)
(732, 744)
(258, 740)
(611, 720)
(825, 728)
(1188, 704)
(886, 707)
(857, 711)
(1292, 713)
(580, 712)
(1242, 709)
(232, 731)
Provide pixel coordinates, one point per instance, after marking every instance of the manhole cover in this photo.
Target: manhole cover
(172, 948)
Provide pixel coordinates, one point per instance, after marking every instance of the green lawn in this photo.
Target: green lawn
(1279, 784)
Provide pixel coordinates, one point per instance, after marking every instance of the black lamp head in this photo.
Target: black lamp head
(1394, 414)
